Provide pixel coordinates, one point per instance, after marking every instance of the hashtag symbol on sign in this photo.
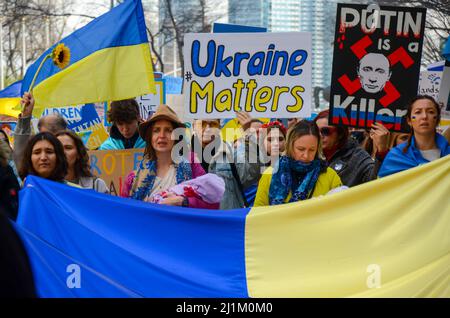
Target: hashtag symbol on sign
(188, 76)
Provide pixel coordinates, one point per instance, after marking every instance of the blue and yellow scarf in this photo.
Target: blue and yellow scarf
(295, 176)
(146, 175)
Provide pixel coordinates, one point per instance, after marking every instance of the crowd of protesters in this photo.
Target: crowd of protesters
(269, 164)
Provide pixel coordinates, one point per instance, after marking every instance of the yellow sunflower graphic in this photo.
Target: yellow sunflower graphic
(61, 55)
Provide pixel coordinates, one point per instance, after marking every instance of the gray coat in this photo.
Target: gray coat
(249, 173)
(22, 134)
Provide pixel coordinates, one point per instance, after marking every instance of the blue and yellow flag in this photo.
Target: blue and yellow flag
(386, 238)
(108, 59)
(10, 100)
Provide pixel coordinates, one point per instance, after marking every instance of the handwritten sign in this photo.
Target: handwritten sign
(113, 166)
(85, 121)
(265, 74)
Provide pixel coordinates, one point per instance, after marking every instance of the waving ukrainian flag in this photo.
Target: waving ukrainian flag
(108, 59)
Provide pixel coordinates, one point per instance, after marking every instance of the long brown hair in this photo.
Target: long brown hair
(81, 167)
(409, 113)
(26, 167)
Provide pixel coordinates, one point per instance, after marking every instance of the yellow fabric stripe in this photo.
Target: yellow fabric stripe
(8, 105)
(106, 75)
(395, 231)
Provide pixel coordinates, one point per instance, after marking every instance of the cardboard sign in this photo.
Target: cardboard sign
(113, 166)
(376, 64)
(85, 121)
(147, 103)
(265, 74)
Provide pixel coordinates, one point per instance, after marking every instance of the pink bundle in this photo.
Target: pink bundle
(209, 188)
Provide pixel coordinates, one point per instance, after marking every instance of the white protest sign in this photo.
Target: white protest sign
(429, 83)
(148, 103)
(265, 74)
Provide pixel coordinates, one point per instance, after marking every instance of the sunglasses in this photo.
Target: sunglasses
(326, 131)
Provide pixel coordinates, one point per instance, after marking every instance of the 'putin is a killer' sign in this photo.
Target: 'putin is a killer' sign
(376, 64)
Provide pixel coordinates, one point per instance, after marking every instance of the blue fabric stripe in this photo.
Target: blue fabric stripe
(12, 91)
(151, 250)
(124, 25)
(51, 265)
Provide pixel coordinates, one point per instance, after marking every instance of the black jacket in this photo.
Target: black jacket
(9, 192)
(354, 165)
(15, 271)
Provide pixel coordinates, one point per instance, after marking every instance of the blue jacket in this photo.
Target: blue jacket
(397, 161)
(116, 141)
(114, 144)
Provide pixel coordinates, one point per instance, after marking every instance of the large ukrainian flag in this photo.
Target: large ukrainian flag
(109, 60)
(386, 238)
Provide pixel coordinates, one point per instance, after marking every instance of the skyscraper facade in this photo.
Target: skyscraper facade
(249, 12)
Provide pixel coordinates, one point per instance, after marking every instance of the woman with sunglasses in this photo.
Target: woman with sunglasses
(424, 145)
(352, 163)
(300, 174)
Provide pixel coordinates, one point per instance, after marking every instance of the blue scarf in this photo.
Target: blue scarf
(397, 161)
(295, 176)
(146, 175)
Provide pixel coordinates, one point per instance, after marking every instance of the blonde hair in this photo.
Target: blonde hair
(303, 128)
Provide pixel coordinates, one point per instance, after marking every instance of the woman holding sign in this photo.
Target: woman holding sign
(425, 144)
(159, 171)
(299, 175)
(78, 171)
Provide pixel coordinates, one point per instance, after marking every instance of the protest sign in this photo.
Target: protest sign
(83, 119)
(444, 91)
(265, 74)
(429, 83)
(114, 165)
(376, 64)
(147, 103)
